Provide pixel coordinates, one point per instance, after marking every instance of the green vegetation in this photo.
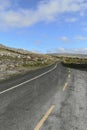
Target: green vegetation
(71, 60)
(15, 61)
(75, 60)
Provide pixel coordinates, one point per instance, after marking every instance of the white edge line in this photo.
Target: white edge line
(28, 80)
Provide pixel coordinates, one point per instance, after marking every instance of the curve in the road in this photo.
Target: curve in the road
(28, 80)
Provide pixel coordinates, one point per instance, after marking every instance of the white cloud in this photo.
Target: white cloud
(64, 39)
(82, 13)
(61, 49)
(64, 50)
(85, 28)
(57, 50)
(81, 38)
(80, 51)
(47, 11)
(71, 20)
(4, 4)
(37, 42)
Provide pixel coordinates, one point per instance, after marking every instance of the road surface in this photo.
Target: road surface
(53, 98)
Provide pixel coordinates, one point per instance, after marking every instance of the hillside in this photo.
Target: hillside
(71, 55)
(15, 61)
(78, 61)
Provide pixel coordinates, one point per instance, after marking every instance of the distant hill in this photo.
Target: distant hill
(69, 55)
(72, 59)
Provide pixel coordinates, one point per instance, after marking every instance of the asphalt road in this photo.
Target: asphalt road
(53, 98)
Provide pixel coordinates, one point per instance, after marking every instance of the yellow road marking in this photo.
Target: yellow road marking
(69, 76)
(39, 125)
(65, 86)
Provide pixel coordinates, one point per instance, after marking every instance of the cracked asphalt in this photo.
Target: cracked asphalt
(71, 105)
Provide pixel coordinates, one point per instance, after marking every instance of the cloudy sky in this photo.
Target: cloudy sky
(44, 25)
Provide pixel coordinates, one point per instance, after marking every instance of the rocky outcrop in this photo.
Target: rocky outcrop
(13, 61)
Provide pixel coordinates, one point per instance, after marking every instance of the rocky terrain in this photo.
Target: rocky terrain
(15, 61)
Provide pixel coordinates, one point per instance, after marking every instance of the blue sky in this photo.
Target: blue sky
(44, 25)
